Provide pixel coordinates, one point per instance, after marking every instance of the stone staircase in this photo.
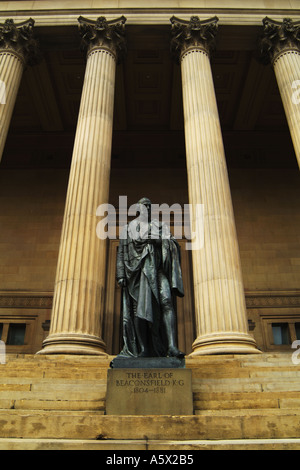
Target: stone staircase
(240, 402)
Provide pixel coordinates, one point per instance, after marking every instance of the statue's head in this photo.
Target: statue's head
(144, 201)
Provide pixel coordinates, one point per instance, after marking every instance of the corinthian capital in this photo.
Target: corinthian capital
(109, 35)
(279, 37)
(18, 37)
(191, 34)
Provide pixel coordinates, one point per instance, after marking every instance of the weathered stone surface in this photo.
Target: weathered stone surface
(235, 398)
(142, 444)
(149, 392)
(214, 424)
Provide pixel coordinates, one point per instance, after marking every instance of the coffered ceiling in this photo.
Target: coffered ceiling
(148, 117)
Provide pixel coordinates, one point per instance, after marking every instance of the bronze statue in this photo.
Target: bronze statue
(149, 272)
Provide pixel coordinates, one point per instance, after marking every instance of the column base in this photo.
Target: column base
(224, 343)
(73, 343)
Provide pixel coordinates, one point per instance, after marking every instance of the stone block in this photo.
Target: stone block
(149, 392)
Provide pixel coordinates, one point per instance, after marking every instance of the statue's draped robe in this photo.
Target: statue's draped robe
(139, 262)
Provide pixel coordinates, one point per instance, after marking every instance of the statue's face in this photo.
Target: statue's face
(145, 209)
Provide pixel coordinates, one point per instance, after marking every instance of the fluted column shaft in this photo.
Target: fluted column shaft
(16, 50)
(220, 311)
(76, 322)
(281, 46)
(11, 70)
(287, 71)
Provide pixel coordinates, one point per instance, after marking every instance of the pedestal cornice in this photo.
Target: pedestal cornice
(18, 39)
(103, 34)
(192, 34)
(279, 38)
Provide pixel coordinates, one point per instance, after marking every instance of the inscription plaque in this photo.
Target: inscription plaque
(149, 392)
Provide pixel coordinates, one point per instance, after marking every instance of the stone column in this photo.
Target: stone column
(76, 322)
(280, 45)
(220, 310)
(17, 49)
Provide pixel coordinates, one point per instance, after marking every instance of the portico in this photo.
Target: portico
(193, 104)
(84, 276)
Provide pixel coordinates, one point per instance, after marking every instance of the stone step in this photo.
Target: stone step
(54, 400)
(71, 405)
(203, 371)
(283, 357)
(149, 445)
(50, 383)
(275, 373)
(42, 370)
(88, 400)
(207, 425)
(250, 385)
(68, 385)
(245, 400)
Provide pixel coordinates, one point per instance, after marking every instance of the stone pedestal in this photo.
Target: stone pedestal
(149, 392)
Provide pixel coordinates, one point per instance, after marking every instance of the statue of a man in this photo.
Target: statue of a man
(149, 272)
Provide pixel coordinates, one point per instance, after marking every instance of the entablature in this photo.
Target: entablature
(138, 12)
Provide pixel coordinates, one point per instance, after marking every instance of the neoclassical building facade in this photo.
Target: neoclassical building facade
(185, 104)
(196, 106)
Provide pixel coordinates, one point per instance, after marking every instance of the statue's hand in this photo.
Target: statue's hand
(122, 282)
